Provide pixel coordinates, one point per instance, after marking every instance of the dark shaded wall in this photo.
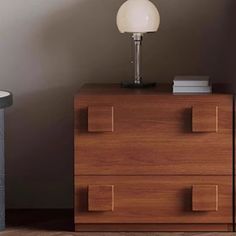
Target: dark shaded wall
(229, 56)
(49, 48)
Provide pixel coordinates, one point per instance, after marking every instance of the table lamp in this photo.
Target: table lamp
(137, 17)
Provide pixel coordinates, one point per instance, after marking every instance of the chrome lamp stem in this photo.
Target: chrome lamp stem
(138, 82)
(137, 37)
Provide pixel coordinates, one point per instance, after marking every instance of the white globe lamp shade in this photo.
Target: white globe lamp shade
(138, 16)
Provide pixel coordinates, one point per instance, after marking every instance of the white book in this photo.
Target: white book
(192, 81)
(192, 89)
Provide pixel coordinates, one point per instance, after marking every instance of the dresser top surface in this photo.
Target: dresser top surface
(159, 89)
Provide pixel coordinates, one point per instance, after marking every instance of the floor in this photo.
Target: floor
(59, 223)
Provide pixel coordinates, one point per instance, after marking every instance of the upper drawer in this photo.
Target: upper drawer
(153, 199)
(153, 135)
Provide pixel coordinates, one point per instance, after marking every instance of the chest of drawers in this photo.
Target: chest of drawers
(148, 160)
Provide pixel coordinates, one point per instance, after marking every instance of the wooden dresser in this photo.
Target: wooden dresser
(148, 160)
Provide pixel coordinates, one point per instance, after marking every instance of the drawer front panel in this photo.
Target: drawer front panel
(156, 199)
(155, 135)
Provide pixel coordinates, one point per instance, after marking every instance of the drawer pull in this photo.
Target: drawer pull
(204, 118)
(100, 198)
(205, 197)
(100, 118)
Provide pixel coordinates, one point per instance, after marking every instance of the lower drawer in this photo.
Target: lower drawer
(153, 199)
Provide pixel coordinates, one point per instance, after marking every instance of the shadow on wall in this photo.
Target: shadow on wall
(190, 40)
(40, 150)
(86, 38)
(75, 45)
(230, 47)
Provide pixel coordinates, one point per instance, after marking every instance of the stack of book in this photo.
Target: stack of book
(192, 84)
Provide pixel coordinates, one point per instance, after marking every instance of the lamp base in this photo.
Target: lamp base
(137, 86)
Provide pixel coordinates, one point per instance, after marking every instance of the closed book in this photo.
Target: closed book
(192, 89)
(192, 81)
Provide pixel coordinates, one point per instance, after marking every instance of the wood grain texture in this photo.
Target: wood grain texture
(153, 199)
(153, 160)
(205, 118)
(153, 135)
(157, 228)
(100, 198)
(100, 118)
(205, 198)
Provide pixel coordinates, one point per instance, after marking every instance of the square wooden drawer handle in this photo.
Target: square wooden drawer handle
(205, 197)
(100, 118)
(204, 118)
(100, 197)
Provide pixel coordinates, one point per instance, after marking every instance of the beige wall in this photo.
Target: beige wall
(48, 48)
